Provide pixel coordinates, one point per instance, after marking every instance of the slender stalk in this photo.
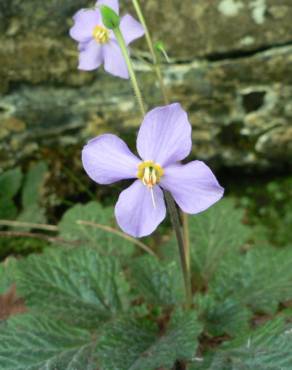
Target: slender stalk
(149, 41)
(124, 49)
(119, 233)
(157, 68)
(28, 225)
(23, 234)
(174, 215)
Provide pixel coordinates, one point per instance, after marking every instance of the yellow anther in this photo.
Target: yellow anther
(149, 173)
(101, 34)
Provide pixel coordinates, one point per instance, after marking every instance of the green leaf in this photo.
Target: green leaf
(222, 317)
(214, 234)
(29, 342)
(77, 286)
(33, 184)
(136, 345)
(32, 194)
(10, 182)
(8, 209)
(158, 282)
(105, 241)
(259, 279)
(267, 348)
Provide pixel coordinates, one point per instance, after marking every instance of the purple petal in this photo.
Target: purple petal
(135, 212)
(113, 4)
(107, 159)
(90, 56)
(165, 135)
(193, 186)
(114, 62)
(85, 21)
(131, 29)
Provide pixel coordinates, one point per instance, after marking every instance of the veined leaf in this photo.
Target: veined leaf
(158, 282)
(78, 286)
(29, 342)
(260, 279)
(105, 241)
(222, 317)
(214, 234)
(135, 345)
(267, 348)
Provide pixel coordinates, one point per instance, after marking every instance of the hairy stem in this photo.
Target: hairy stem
(149, 41)
(174, 215)
(125, 52)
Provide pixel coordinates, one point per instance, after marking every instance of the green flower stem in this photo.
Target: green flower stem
(157, 68)
(124, 49)
(174, 216)
(151, 49)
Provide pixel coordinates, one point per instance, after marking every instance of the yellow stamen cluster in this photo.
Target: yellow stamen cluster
(149, 173)
(101, 34)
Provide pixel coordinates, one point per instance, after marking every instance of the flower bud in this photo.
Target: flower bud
(109, 17)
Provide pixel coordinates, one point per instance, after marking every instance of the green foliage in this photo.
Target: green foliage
(10, 182)
(105, 241)
(158, 282)
(79, 287)
(223, 316)
(269, 205)
(79, 317)
(145, 350)
(214, 234)
(269, 347)
(102, 306)
(30, 342)
(32, 210)
(260, 279)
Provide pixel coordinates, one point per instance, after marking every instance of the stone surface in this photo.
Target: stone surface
(231, 68)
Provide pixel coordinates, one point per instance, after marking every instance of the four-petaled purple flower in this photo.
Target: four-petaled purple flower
(164, 139)
(97, 44)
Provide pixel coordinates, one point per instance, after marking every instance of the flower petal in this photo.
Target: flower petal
(85, 21)
(113, 4)
(165, 135)
(107, 159)
(114, 62)
(193, 186)
(90, 56)
(135, 212)
(131, 29)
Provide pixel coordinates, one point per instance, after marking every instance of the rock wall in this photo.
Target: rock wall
(231, 68)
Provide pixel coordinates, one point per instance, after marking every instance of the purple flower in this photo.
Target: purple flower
(97, 44)
(164, 139)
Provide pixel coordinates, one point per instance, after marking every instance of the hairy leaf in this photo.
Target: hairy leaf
(222, 317)
(78, 286)
(267, 348)
(135, 345)
(158, 282)
(260, 279)
(106, 242)
(213, 235)
(29, 342)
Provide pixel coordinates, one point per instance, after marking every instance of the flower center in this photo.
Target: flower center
(101, 34)
(149, 173)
